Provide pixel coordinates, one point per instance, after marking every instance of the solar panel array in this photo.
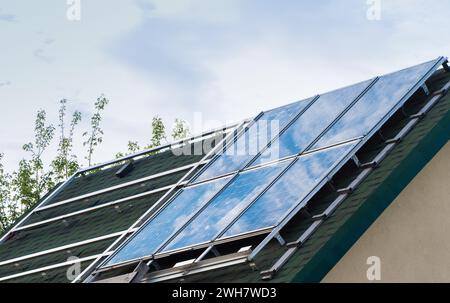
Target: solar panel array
(246, 189)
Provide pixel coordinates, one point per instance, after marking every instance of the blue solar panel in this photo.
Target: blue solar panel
(289, 190)
(375, 104)
(169, 220)
(312, 123)
(226, 206)
(255, 138)
(263, 197)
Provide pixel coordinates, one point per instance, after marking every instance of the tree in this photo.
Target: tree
(9, 212)
(30, 181)
(95, 135)
(158, 132)
(66, 163)
(180, 129)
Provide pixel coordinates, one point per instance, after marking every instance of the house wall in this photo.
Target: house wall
(411, 238)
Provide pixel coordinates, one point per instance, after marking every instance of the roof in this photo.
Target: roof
(75, 222)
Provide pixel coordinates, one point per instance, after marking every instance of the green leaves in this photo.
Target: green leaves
(30, 180)
(9, 211)
(66, 163)
(158, 132)
(94, 136)
(180, 129)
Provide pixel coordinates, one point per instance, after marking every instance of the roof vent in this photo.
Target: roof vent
(125, 169)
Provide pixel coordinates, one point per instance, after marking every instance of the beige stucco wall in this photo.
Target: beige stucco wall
(411, 237)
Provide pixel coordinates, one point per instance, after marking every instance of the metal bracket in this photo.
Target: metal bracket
(280, 239)
(425, 89)
(356, 160)
(393, 140)
(446, 67)
(380, 133)
(267, 274)
(215, 252)
(346, 190)
(140, 272)
(154, 264)
(371, 164)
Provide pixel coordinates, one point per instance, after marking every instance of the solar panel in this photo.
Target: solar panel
(244, 148)
(226, 206)
(168, 220)
(331, 128)
(289, 190)
(375, 104)
(312, 122)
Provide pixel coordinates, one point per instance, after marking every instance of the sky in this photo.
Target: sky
(223, 60)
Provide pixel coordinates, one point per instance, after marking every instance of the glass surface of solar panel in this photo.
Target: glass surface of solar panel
(291, 188)
(378, 101)
(226, 206)
(167, 221)
(312, 123)
(244, 148)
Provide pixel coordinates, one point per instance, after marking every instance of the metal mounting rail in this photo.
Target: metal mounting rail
(94, 208)
(60, 248)
(119, 186)
(46, 268)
